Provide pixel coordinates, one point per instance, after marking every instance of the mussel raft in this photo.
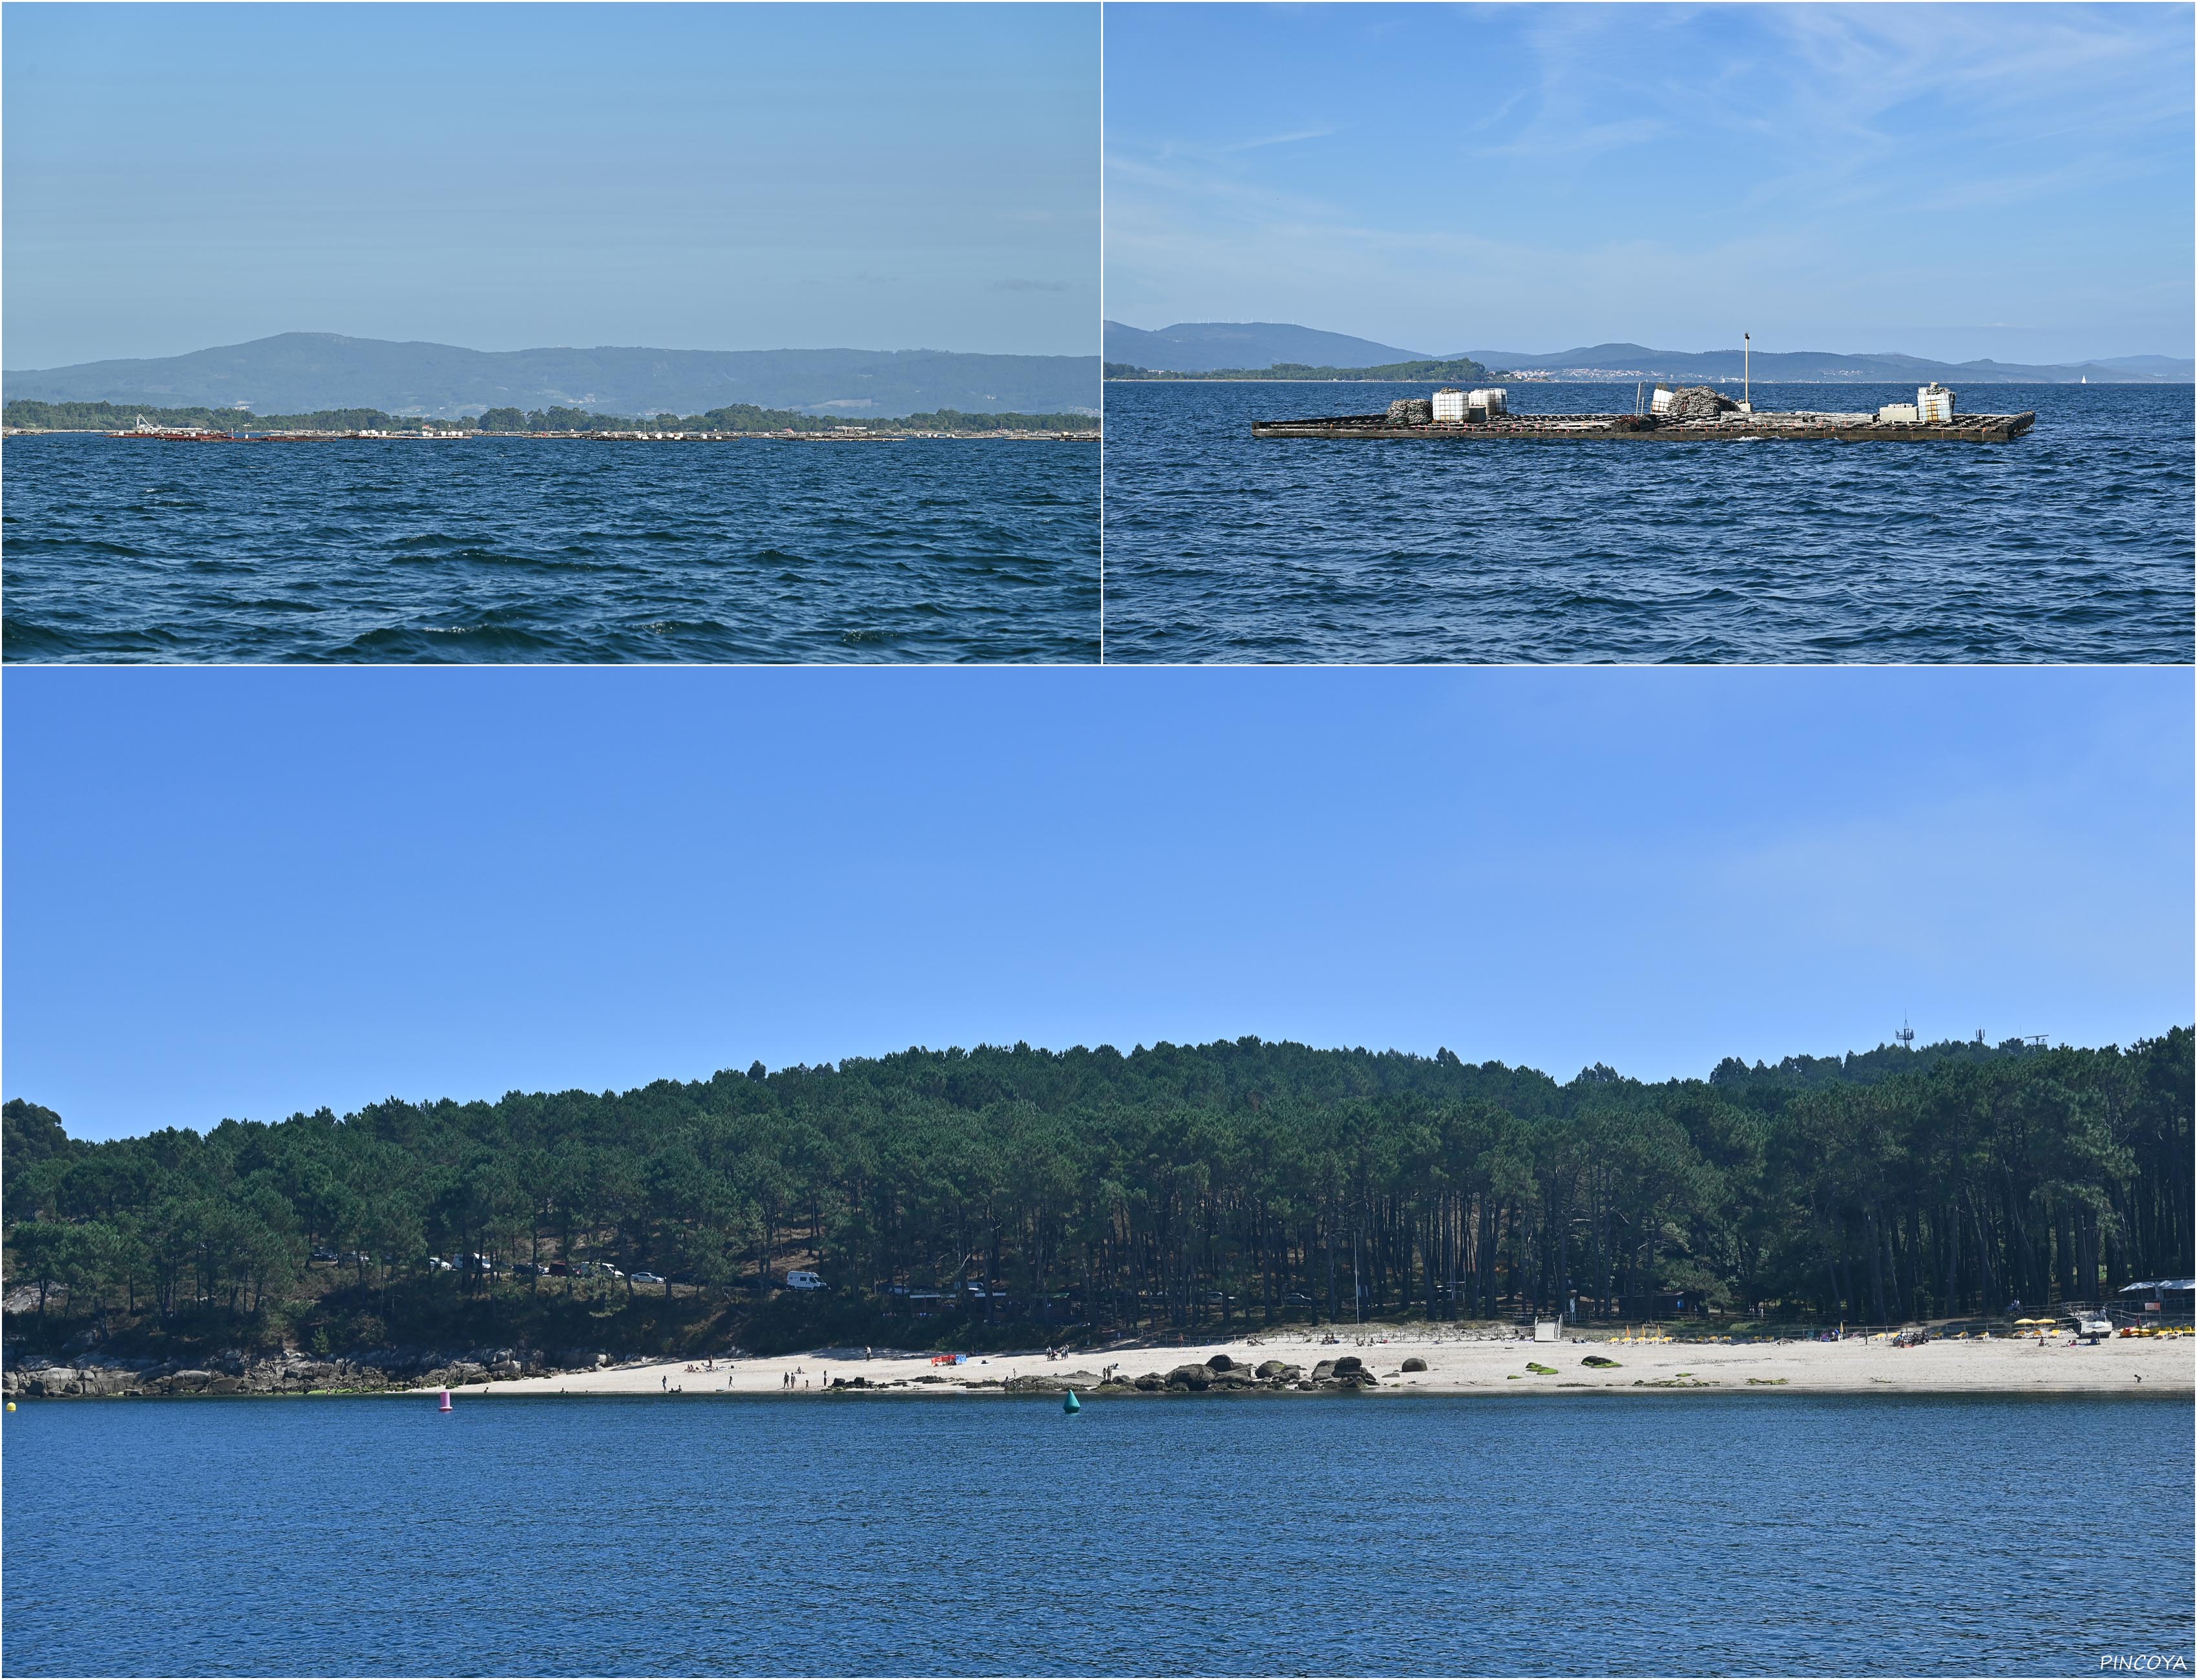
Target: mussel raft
(1698, 416)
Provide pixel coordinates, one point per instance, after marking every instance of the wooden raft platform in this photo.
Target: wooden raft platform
(1646, 428)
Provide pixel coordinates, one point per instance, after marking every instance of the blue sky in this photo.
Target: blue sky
(502, 176)
(249, 892)
(1953, 181)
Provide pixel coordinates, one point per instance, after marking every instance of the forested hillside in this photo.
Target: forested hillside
(302, 373)
(1174, 1187)
(1462, 368)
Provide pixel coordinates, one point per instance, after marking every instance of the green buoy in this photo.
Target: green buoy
(1071, 1403)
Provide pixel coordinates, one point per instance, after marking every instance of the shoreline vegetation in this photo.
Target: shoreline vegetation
(1001, 1198)
(733, 420)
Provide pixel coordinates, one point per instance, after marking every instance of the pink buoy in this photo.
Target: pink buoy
(445, 1406)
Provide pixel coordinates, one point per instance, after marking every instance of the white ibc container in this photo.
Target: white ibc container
(1935, 402)
(1897, 413)
(1494, 399)
(1449, 405)
(1660, 403)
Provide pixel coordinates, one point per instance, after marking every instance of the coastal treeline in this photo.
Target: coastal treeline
(1175, 1186)
(1452, 368)
(746, 417)
(732, 417)
(953, 420)
(121, 417)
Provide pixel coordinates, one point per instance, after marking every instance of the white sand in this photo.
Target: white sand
(1478, 1367)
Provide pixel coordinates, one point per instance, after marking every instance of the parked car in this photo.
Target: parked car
(434, 1263)
(324, 1254)
(557, 1269)
(804, 1280)
(647, 1277)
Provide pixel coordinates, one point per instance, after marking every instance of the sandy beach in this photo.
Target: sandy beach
(1458, 1365)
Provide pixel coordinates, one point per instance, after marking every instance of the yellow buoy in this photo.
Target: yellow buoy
(11, 1405)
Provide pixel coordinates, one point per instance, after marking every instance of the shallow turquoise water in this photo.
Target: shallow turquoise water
(1686, 1533)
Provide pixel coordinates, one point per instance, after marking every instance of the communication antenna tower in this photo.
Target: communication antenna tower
(1906, 1034)
(1979, 1035)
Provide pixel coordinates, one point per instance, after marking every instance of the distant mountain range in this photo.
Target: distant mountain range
(299, 372)
(1204, 346)
(1814, 367)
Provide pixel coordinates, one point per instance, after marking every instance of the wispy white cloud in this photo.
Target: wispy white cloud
(1648, 169)
(1279, 140)
(1579, 142)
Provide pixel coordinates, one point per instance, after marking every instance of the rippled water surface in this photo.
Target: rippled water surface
(533, 550)
(1544, 1535)
(2071, 544)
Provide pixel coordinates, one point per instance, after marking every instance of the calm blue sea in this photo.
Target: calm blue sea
(518, 549)
(2071, 544)
(1688, 1534)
